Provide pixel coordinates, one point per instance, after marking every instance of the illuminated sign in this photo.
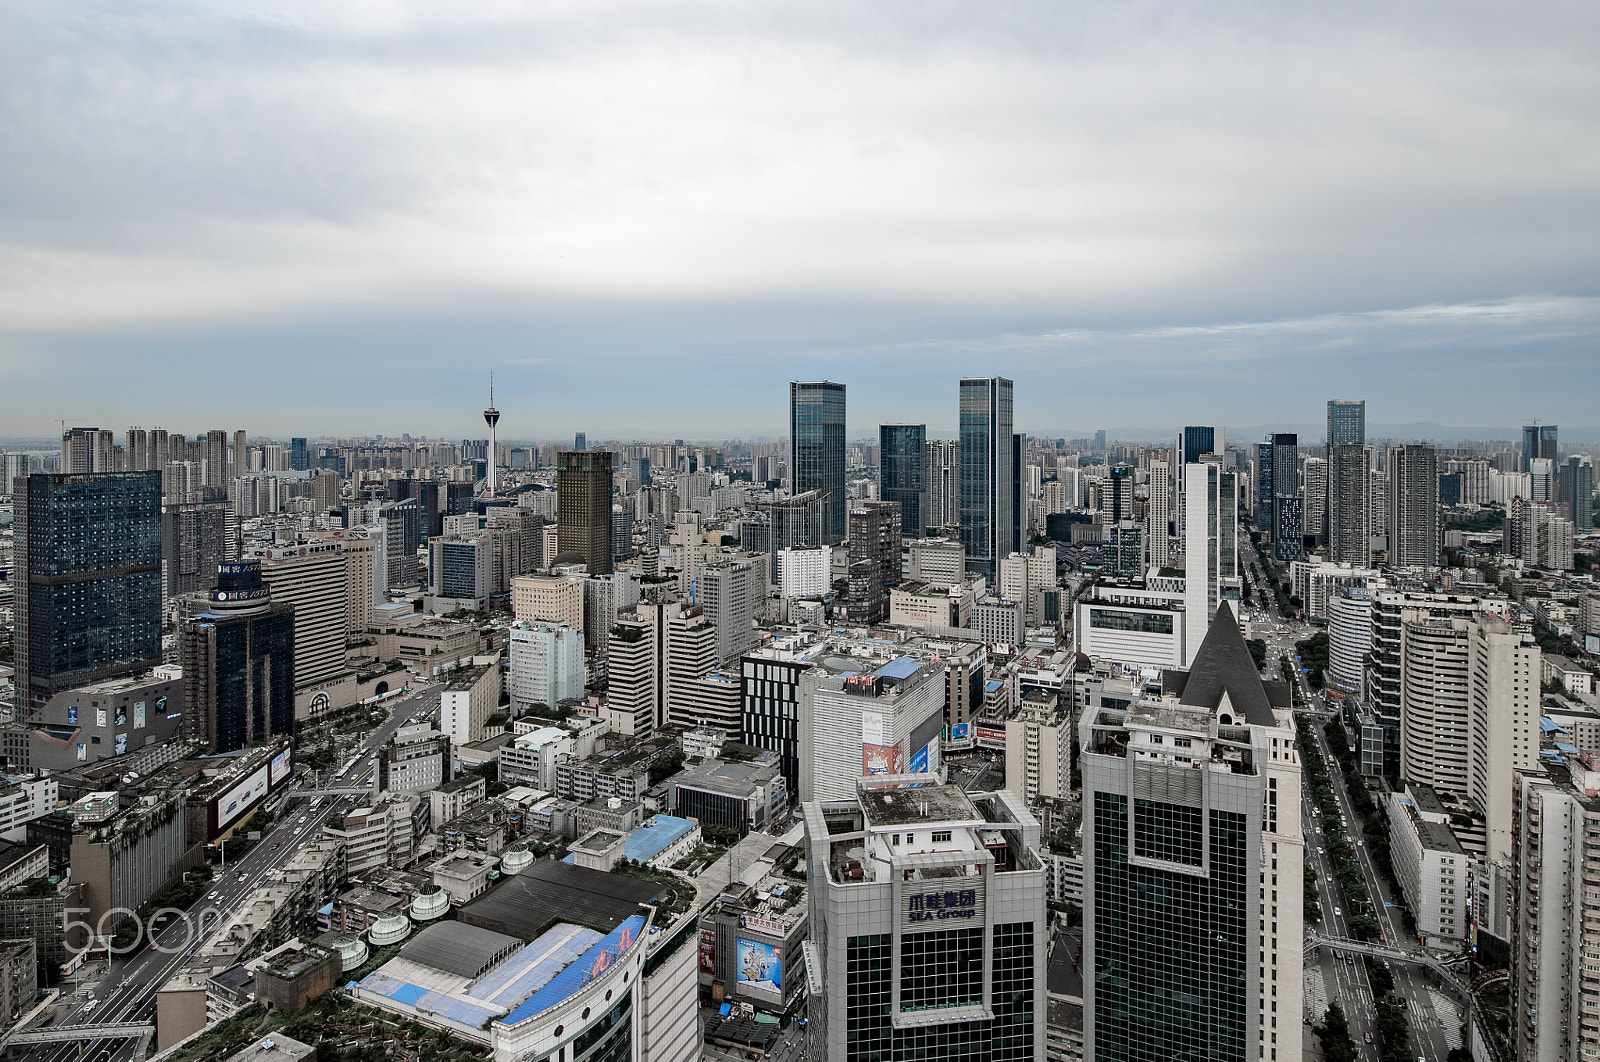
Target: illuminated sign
(761, 925)
(880, 759)
(279, 768)
(919, 761)
(708, 951)
(122, 744)
(72, 715)
(951, 903)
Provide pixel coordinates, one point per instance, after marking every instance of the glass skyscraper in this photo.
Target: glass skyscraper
(1538, 440)
(903, 473)
(816, 433)
(88, 582)
(238, 662)
(989, 525)
(1347, 422)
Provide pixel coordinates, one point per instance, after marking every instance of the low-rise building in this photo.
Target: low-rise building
(381, 834)
(456, 796)
(464, 876)
(530, 758)
(19, 979)
(741, 796)
(417, 757)
(470, 696)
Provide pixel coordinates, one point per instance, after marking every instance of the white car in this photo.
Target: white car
(1338, 913)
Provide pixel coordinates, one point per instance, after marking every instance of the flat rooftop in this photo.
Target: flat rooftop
(465, 678)
(908, 805)
(550, 891)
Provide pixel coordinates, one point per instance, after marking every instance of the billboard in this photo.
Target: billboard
(72, 715)
(872, 728)
(122, 715)
(708, 951)
(278, 769)
(99, 717)
(121, 744)
(880, 759)
(760, 965)
(138, 715)
(919, 761)
(991, 737)
(1591, 644)
(241, 798)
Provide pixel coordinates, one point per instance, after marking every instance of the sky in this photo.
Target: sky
(645, 218)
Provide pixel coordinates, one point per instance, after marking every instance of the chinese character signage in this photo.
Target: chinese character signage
(942, 904)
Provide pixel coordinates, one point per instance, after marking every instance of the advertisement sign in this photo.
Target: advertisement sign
(761, 925)
(241, 798)
(991, 737)
(960, 732)
(72, 715)
(708, 951)
(83, 751)
(940, 905)
(919, 761)
(161, 706)
(278, 769)
(121, 744)
(872, 728)
(138, 715)
(880, 759)
(99, 717)
(760, 965)
(122, 715)
(1591, 644)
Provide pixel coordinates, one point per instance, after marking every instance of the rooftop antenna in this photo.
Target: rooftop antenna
(491, 416)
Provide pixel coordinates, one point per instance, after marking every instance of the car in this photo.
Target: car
(1338, 913)
(93, 1003)
(276, 845)
(1367, 1037)
(1350, 959)
(215, 896)
(1330, 879)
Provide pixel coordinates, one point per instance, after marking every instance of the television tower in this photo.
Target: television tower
(491, 416)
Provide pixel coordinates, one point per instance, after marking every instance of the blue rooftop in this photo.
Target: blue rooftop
(1549, 725)
(899, 669)
(596, 961)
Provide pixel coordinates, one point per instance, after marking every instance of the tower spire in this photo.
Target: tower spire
(491, 416)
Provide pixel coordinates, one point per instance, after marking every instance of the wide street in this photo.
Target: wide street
(127, 992)
(1435, 1030)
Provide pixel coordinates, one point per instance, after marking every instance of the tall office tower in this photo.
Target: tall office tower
(216, 460)
(690, 659)
(402, 537)
(1193, 442)
(1413, 505)
(1539, 440)
(238, 662)
(1210, 548)
(1554, 993)
(311, 577)
(299, 458)
(875, 529)
(928, 923)
(1543, 482)
(989, 526)
(87, 450)
(491, 417)
(1192, 868)
(426, 494)
(855, 721)
(461, 568)
(325, 490)
(1263, 485)
(194, 542)
(583, 506)
(1159, 518)
(546, 664)
(769, 706)
(942, 466)
(1288, 510)
(1349, 518)
(729, 593)
(87, 552)
(1347, 422)
(1577, 492)
(903, 474)
(580, 441)
(634, 667)
(816, 436)
(240, 457)
(1121, 502)
(1315, 476)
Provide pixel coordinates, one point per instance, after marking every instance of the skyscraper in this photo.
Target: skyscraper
(875, 538)
(942, 466)
(1347, 422)
(1413, 505)
(903, 478)
(583, 506)
(238, 662)
(1538, 440)
(194, 541)
(1288, 526)
(299, 458)
(88, 450)
(216, 458)
(816, 436)
(1194, 441)
(1210, 548)
(989, 525)
(580, 441)
(88, 580)
(1577, 492)
(1349, 515)
(1263, 485)
(1192, 850)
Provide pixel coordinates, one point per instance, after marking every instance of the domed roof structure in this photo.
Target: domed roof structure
(430, 903)
(390, 929)
(516, 859)
(352, 952)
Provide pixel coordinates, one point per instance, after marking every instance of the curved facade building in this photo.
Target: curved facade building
(1349, 637)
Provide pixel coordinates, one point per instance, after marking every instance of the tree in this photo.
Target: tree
(1334, 1032)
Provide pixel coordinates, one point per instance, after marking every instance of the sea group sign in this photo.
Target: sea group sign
(951, 903)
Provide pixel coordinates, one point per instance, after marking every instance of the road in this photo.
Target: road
(1434, 1030)
(127, 991)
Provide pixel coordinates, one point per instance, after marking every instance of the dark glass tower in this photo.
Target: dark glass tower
(1577, 492)
(1538, 440)
(1288, 531)
(88, 580)
(1347, 422)
(583, 506)
(299, 459)
(816, 433)
(238, 662)
(987, 481)
(902, 449)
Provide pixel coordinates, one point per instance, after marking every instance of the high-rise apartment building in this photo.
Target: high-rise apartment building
(902, 450)
(1349, 517)
(194, 541)
(989, 477)
(216, 460)
(1211, 548)
(1539, 441)
(1503, 699)
(88, 450)
(1347, 426)
(1413, 505)
(1161, 514)
(816, 436)
(875, 530)
(1193, 868)
(1288, 508)
(238, 662)
(942, 466)
(928, 923)
(1577, 492)
(299, 456)
(583, 507)
(1314, 474)
(87, 551)
(730, 593)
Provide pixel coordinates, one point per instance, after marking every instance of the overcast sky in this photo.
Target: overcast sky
(645, 218)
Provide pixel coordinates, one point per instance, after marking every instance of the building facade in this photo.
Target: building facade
(816, 436)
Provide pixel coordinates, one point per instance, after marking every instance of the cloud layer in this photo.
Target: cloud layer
(945, 187)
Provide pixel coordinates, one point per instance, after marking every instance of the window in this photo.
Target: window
(941, 837)
(894, 840)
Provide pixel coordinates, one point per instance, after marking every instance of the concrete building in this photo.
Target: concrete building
(936, 561)
(740, 796)
(927, 912)
(1193, 866)
(1432, 867)
(929, 606)
(311, 577)
(546, 664)
(803, 571)
(380, 834)
(1413, 506)
(1211, 548)
(999, 622)
(470, 696)
(554, 598)
(874, 559)
(194, 540)
(460, 572)
(729, 593)
(1039, 737)
(583, 507)
(860, 717)
(416, 758)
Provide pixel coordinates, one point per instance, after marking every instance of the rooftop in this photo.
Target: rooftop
(900, 806)
(1223, 669)
(550, 890)
(465, 678)
(462, 949)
